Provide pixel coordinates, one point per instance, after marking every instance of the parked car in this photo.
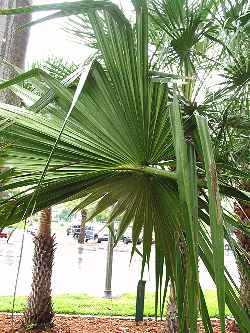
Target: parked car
(70, 230)
(102, 236)
(3, 234)
(75, 230)
(127, 238)
(90, 233)
(6, 232)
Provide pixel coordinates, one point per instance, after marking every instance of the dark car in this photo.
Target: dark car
(70, 230)
(102, 236)
(127, 238)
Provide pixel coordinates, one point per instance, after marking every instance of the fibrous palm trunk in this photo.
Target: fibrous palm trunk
(243, 211)
(172, 315)
(82, 227)
(39, 311)
(172, 320)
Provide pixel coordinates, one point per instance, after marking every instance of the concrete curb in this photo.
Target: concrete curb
(88, 316)
(107, 317)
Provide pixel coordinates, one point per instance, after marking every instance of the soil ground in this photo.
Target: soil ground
(77, 324)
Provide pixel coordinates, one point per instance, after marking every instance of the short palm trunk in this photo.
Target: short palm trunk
(172, 318)
(244, 241)
(243, 211)
(172, 314)
(39, 312)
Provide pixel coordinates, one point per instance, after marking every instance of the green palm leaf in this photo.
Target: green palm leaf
(110, 137)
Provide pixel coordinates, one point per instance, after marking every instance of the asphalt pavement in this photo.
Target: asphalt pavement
(81, 268)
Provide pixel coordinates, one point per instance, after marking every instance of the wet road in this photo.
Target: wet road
(81, 269)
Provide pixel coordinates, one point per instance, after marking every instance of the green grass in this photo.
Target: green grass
(87, 305)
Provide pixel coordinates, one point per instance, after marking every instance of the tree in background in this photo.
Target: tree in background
(12, 49)
(81, 237)
(13, 45)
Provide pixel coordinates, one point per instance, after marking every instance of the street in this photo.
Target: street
(81, 268)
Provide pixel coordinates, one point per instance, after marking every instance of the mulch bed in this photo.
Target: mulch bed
(77, 324)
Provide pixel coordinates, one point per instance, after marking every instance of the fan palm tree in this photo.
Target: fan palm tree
(232, 147)
(39, 310)
(111, 137)
(229, 109)
(186, 34)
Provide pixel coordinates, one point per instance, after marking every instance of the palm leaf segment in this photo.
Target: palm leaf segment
(112, 150)
(228, 107)
(185, 28)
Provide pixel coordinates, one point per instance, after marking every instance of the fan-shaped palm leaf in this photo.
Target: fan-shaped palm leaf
(110, 148)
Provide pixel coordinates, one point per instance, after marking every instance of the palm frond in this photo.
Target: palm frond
(109, 139)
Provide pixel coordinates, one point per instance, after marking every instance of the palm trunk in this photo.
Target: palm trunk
(39, 311)
(82, 227)
(172, 315)
(243, 211)
(244, 288)
(172, 325)
(172, 320)
(13, 45)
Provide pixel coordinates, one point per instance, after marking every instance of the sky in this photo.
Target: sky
(48, 38)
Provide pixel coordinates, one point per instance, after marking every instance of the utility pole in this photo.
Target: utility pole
(110, 249)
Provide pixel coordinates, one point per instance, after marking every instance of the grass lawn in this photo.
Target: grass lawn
(87, 305)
